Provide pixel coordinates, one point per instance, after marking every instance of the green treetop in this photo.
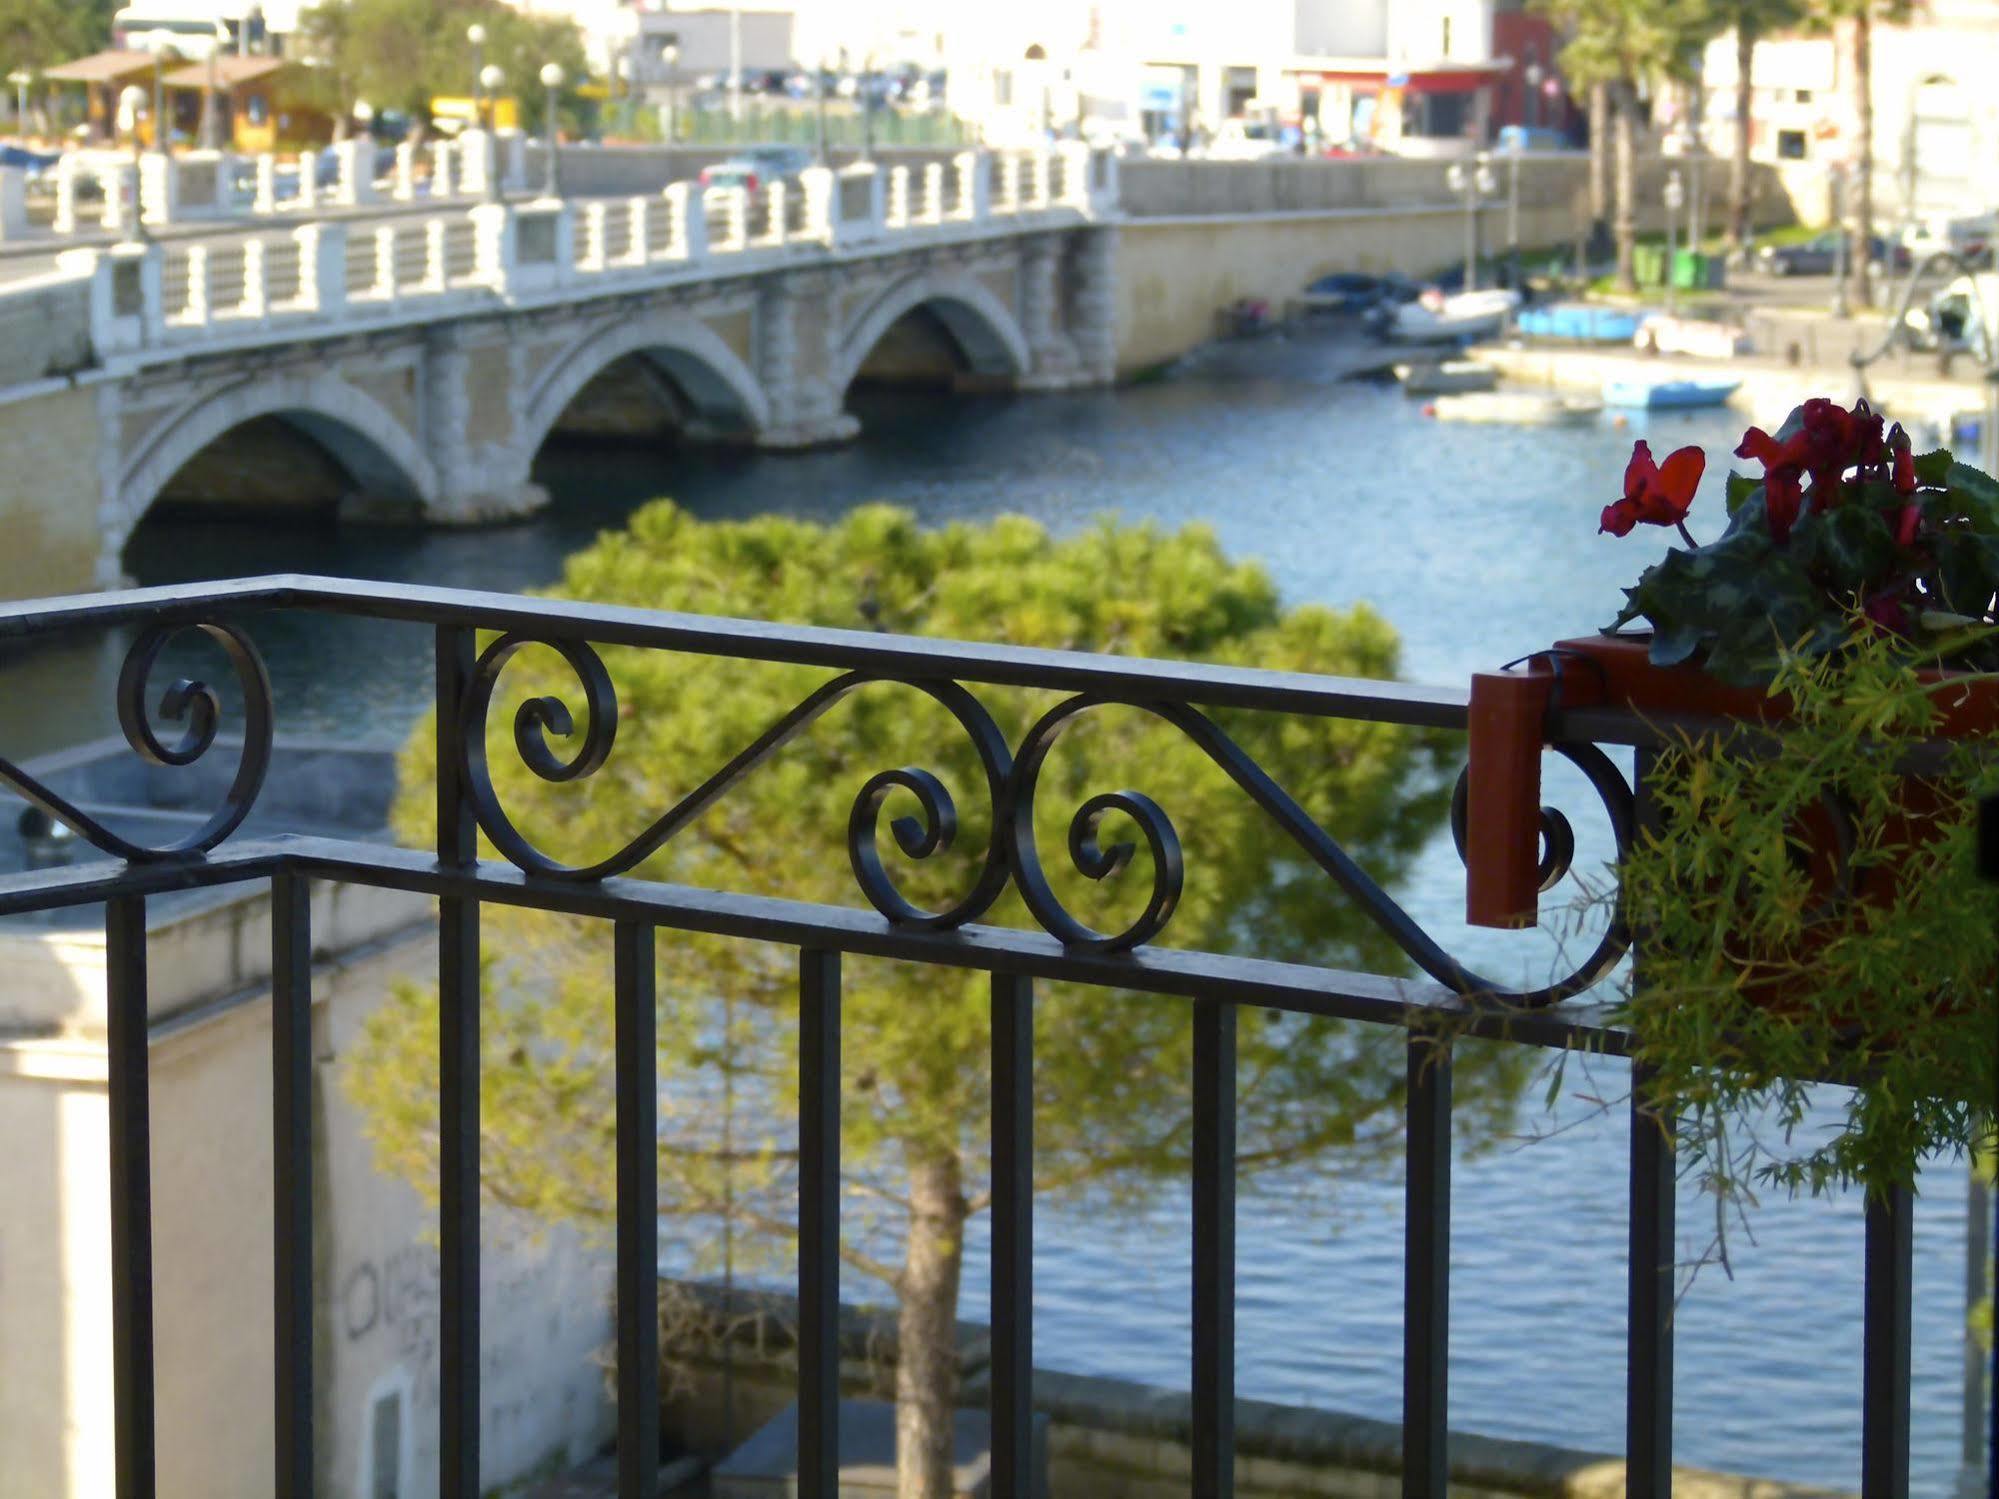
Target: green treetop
(1112, 1070)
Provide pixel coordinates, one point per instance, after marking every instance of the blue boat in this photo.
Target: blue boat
(1578, 322)
(1668, 395)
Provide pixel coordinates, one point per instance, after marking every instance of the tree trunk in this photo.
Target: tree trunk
(1599, 152)
(1738, 182)
(926, 1376)
(1860, 204)
(1627, 230)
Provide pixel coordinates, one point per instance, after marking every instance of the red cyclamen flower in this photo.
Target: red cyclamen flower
(1655, 494)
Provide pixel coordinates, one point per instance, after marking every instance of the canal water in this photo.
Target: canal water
(1479, 544)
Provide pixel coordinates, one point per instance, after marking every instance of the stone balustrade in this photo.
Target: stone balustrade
(331, 275)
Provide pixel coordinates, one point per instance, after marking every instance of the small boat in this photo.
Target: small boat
(1448, 378)
(1515, 407)
(1700, 338)
(1578, 322)
(1669, 395)
(1434, 317)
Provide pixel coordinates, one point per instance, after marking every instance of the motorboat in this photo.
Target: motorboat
(1451, 377)
(1578, 322)
(1697, 337)
(1669, 395)
(1516, 408)
(1436, 318)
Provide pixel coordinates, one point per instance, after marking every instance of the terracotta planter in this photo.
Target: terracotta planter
(1508, 723)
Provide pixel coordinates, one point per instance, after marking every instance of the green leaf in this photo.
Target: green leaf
(1977, 493)
(1851, 545)
(1934, 468)
(1740, 488)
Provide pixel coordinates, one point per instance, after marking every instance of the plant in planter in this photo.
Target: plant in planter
(1806, 895)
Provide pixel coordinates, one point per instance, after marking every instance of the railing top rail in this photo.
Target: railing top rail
(759, 640)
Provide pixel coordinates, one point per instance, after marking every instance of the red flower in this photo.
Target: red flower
(1904, 476)
(1908, 520)
(1783, 498)
(1655, 494)
(1886, 611)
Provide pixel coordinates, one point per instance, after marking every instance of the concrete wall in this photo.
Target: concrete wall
(44, 330)
(545, 1295)
(49, 492)
(1177, 270)
(1111, 1438)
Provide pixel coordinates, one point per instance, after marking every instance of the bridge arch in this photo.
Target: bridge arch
(712, 375)
(983, 326)
(360, 434)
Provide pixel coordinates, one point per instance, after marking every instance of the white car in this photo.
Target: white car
(1244, 140)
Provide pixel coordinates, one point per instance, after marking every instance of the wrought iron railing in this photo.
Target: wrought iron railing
(1451, 1001)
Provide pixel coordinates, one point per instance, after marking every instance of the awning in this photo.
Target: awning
(102, 67)
(230, 72)
(1459, 79)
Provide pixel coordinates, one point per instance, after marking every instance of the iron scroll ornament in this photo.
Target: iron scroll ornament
(194, 704)
(1013, 854)
(538, 717)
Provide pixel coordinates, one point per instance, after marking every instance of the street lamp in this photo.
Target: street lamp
(1675, 199)
(669, 62)
(132, 104)
(211, 105)
(21, 78)
(1513, 213)
(1535, 73)
(364, 116)
(476, 35)
(552, 79)
(1474, 183)
(819, 110)
(492, 78)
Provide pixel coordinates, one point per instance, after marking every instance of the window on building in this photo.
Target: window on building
(1238, 88)
(1791, 145)
(1804, 96)
(1441, 115)
(1002, 87)
(1446, 52)
(385, 1435)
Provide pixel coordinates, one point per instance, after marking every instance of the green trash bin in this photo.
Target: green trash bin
(1689, 270)
(1648, 264)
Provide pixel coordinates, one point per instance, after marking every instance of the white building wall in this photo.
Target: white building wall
(545, 1300)
(1934, 74)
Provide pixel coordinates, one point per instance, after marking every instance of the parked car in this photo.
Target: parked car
(758, 166)
(33, 165)
(1244, 140)
(1819, 256)
(1971, 239)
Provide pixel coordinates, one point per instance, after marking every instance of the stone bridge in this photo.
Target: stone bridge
(430, 357)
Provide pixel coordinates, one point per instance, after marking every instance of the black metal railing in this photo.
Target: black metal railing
(1449, 1002)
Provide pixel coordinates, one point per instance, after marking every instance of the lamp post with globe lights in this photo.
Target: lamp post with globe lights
(669, 63)
(364, 116)
(1675, 200)
(475, 34)
(1475, 182)
(1535, 73)
(131, 105)
(21, 78)
(552, 79)
(492, 78)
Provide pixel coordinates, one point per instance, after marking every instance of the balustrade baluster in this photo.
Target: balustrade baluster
(197, 310)
(1214, 1249)
(635, 1023)
(1426, 1276)
(128, 1084)
(291, 1182)
(1012, 1411)
(819, 1225)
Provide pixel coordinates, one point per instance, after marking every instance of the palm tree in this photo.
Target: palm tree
(1617, 45)
(1860, 196)
(1752, 20)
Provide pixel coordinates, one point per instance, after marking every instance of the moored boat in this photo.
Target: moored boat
(1578, 322)
(1669, 395)
(1434, 317)
(1516, 408)
(1447, 378)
